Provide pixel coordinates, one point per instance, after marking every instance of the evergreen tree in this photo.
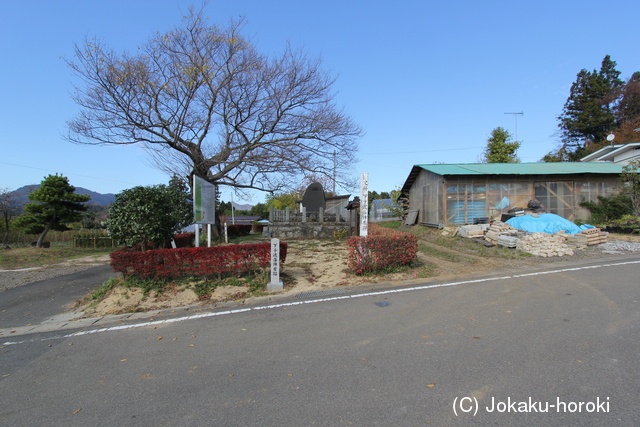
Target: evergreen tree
(587, 116)
(56, 205)
(627, 111)
(499, 147)
(261, 210)
(179, 183)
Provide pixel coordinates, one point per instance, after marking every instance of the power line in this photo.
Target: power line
(73, 174)
(423, 151)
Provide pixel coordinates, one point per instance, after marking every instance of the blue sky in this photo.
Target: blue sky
(427, 81)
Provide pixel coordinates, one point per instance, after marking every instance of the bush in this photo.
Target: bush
(381, 249)
(154, 214)
(608, 208)
(198, 262)
(627, 221)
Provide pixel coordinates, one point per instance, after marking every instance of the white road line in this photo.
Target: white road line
(20, 269)
(313, 301)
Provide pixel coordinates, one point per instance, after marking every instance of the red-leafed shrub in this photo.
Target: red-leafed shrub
(199, 262)
(381, 249)
(185, 240)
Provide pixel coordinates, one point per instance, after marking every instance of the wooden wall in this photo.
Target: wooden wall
(458, 199)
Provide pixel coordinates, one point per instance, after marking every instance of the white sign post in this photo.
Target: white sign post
(364, 203)
(275, 282)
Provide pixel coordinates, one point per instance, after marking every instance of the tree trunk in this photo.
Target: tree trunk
(44, 233)
(5, 241)
(215, 228)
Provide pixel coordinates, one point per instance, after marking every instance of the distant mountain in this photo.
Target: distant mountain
(242, 207)
(22, 195)
(96, 198)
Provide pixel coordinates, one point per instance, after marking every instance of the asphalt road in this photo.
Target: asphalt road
(492, 351)
(39, 301)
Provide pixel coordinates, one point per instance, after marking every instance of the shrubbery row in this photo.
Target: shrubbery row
(198, 262)
(382, 248)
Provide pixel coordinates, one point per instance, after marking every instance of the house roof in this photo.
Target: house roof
(244, 219)
(558, 168)
(608, 153)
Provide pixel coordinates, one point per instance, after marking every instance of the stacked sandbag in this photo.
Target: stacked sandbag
(577, 241)
(497, 229)
(475, 231)
(544, 245)
(508, 241)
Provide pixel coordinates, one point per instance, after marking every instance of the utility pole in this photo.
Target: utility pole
(515, 115)
(335, 167)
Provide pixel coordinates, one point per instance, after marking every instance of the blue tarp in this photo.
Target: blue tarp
(545, 223)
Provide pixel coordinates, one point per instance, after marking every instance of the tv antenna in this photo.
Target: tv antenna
(515, 115)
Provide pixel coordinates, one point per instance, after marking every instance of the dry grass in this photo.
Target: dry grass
(37, 257)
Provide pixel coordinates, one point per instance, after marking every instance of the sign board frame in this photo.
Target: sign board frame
(204, 201)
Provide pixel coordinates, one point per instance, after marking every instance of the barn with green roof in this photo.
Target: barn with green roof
(459, 193)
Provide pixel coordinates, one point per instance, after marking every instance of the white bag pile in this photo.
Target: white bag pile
(498, 229)
(473, 231)
(508, 241)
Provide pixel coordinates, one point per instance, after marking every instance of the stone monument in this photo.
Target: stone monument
(313, 198)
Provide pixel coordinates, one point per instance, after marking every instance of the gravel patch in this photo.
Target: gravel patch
(619, 246)
(23, 276)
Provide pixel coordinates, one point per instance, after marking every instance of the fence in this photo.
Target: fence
(18, 238)
(289, 216)
(94, 242)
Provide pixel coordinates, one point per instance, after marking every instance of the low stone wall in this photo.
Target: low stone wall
(304, 230)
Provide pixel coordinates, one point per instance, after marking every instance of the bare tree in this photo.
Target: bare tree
(204, 102)
(8, 209)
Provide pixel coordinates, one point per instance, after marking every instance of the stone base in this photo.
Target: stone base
(271, 286)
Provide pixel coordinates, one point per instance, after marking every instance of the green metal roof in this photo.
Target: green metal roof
(523, 168)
